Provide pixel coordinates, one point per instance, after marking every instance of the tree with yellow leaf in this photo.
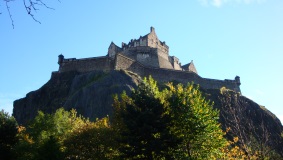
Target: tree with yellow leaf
(195, 122)
(94, 140)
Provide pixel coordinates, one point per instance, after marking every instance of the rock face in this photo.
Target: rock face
(253, 124)
(91, 95)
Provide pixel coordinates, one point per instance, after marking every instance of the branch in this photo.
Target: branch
(32, 6)
(8, 9)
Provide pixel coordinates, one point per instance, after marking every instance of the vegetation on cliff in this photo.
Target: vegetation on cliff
(175, 122)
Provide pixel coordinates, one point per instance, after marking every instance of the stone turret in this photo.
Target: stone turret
(237, 79)
(60, 59)
(152, 29)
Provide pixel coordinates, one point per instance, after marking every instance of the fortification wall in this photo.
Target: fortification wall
(87, 64)
(160, 74)
(145, 55)
(125, 63)
(166, 75)
(217, 84)
(164, 63)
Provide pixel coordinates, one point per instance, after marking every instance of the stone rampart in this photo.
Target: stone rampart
(160, 74)
(87, 64)
(125, 63)
(165, 75)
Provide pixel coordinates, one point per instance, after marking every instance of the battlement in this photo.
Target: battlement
(146, 56)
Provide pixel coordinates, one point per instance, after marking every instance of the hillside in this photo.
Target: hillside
(91, 95)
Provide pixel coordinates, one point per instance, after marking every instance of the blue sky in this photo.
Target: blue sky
(225, 38)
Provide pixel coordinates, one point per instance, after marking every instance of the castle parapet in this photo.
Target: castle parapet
(104, 63)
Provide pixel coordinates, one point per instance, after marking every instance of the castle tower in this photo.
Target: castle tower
(237, 79)
(152, 29)
(60, 59)
(149, 51)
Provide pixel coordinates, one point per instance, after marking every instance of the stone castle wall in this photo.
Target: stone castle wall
(160, 74)
(87, 64)
(145, 55)
(165, 75)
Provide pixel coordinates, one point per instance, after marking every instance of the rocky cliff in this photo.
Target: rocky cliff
(254, 125)
(91, 95)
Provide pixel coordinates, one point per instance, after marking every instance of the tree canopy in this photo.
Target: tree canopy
(145, 123)
(177, 122)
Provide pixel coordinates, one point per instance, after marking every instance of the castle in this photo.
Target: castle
(145, 56)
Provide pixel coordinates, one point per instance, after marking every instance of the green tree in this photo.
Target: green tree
(144, 124)
(8, 132)
(94, 140)
(64, 135)
(59, 125)
(195, 122)
(175, 123)
(44, 137)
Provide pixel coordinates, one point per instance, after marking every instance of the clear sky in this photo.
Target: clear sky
(225, 38)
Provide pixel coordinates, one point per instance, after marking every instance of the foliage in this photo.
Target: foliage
(50, 149)
(92, 141)
(47, 125)
(232, 151)
(176, 122)
(8, 132)
(195, 122)
(26, 148)
(173, 123)
(45, 135)
(146, 133)
(64, 135)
